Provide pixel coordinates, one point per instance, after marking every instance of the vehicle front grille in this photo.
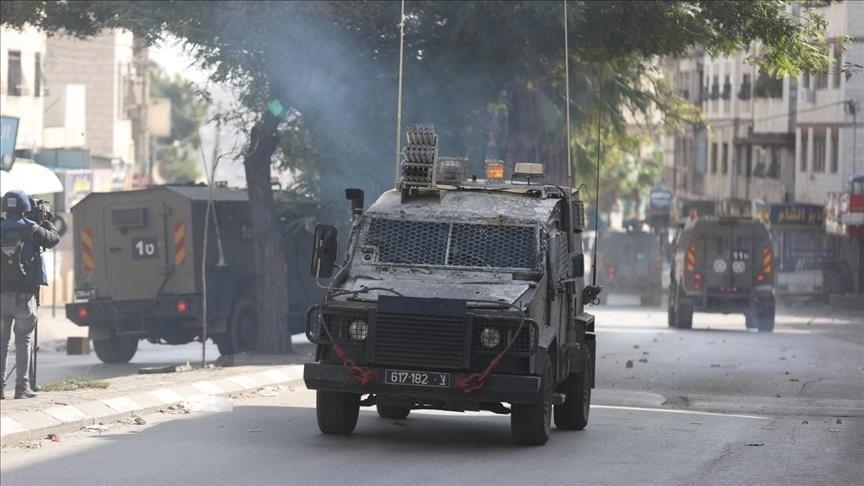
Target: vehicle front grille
(420, 341)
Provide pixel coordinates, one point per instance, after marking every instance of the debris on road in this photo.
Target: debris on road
(71, 384)
(629, 363)
(643, 360)
(208, 403)
(756, 444)
(53, 437)
(96, 428)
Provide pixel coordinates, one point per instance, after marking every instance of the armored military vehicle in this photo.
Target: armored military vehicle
(723, 265)
(456, 294)
(631, 263)
(138, 257)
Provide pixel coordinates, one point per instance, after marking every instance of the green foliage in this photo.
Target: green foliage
(489, 75)
(178, 155)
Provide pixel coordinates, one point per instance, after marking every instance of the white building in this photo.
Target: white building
(826, 151)
(93, 89)
(22, 82)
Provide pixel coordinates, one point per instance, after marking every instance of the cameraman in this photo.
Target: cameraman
(22, 272)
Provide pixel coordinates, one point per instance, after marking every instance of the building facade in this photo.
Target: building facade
(828, 137)
(22, 83)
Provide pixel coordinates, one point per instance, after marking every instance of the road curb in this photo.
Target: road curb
(57, 419)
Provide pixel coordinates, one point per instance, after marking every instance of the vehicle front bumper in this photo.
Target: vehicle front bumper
(498, 388)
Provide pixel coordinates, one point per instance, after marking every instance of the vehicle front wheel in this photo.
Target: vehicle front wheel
(116, 349)
(573, 413)
(337, 412)
(394, 412)
(531, 423)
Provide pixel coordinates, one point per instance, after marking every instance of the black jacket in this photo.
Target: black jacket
(44, 236)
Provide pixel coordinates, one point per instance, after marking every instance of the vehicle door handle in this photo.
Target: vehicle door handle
(115, 249)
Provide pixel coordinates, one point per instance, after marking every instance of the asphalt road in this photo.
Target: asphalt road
(718, 406)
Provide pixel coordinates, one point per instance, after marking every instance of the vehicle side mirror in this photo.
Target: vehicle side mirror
(356, 196)
(577, 262)
(324, 251)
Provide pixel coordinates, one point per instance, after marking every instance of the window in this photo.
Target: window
(768, 86)
(727, 87)
(714, 158)
(746, 87)
(715, 88)
(13, 79)
(805, 80)
(759, 169)
(838, 61)
(724, 164)
(822, 77)
(803, 150)
(835, 149)
(819, 150)
(37, 75)
(774, 167)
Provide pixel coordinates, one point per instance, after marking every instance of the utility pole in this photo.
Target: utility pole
(140, 120)
(852, 109)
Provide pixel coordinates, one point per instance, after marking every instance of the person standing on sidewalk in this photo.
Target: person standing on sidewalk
(22, 272)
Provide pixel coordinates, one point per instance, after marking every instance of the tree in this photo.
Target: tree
(489, 75)
(178, 155)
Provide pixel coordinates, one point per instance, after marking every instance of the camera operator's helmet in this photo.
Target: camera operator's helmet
(16, 201)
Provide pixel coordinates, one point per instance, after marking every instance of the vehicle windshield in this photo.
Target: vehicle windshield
(451, 244)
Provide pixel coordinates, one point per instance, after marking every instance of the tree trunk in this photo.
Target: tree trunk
(270, 265)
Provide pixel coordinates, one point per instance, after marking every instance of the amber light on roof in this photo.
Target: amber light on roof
(494, 170)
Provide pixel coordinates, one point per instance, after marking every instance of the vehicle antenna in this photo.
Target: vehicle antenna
(399, 92)
(567, 98)
(597, 190)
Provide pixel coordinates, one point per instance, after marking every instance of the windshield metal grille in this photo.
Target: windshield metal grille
(409, 242)
(453, 244)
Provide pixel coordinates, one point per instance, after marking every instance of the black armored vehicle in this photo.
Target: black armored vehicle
(457, 294)
(723, 264)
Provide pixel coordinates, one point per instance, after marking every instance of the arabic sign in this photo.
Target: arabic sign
(8, 136)
(797, 215)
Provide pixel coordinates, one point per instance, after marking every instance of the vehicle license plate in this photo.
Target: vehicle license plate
(416, 378)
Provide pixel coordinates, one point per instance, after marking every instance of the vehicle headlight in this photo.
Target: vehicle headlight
(358, 330)
(490, 337)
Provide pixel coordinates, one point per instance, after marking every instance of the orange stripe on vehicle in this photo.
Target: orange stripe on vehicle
(87, 249)
(179, 243)
(691, 258)
(767, 260)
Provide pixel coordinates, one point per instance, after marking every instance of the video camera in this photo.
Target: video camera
(40, 210)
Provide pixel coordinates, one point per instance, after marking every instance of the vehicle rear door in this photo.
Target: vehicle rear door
(134, 233)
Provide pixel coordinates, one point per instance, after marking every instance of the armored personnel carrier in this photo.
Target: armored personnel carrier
(458, 294)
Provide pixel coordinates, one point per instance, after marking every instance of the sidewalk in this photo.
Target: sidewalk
(128, 396)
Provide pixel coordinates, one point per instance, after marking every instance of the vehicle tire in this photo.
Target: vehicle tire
(672, 321)
(531, 423)
(683, 314)
(394, 412)
(337, 412)
(242, 334)
(573, 413)
(116, 349)
(765, 319)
